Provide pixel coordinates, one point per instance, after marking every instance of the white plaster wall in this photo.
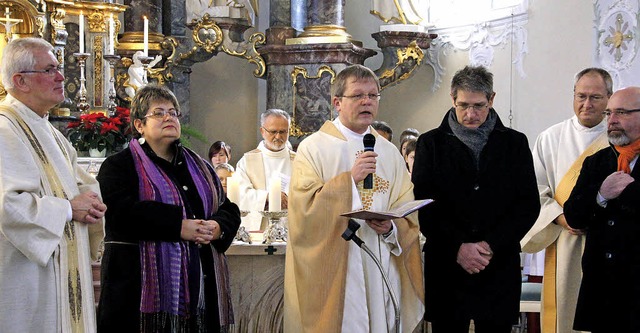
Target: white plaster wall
(226, 99)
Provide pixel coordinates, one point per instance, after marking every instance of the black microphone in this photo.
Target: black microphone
(369, 141)
(350, 233)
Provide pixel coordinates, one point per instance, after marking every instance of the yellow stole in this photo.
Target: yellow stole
(66, 255)
(563, 190)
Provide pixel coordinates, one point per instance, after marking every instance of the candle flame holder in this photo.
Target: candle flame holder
(82, 104)
(276, 231)
(145, 64)
(111, 105)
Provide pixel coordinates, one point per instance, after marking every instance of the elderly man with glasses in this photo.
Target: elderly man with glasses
(606, 202)
(51, 213)
(270, 161)
(480, 175)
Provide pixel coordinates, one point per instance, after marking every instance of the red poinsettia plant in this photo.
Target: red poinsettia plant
(97, 131)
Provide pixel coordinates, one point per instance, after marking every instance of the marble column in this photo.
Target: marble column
(300, 69)
(279, 22)
(298, 14)
(325, 18)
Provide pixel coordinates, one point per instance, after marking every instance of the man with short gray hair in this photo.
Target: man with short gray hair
(51, 213)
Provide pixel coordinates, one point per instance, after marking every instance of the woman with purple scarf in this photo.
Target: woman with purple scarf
(167, 227)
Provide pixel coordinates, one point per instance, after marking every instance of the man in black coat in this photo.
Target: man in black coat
(606, 202)
(481, 176)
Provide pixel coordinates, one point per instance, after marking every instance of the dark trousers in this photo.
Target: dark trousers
(481, 326)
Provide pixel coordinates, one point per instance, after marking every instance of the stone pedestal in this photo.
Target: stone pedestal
(257, 286)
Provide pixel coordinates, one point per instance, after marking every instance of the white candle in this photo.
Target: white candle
(81, 30)
(275, 188)
(146, 37)
(233, 192)
(111, 32)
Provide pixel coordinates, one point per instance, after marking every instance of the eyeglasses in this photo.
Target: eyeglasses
(161, 114)
(274, 133)
(583, 97)
(359, 97)
(475, 107)
(619, 112)
(51, 71)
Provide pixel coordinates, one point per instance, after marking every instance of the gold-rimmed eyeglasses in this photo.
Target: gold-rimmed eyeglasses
(274, 133)
(619, 112)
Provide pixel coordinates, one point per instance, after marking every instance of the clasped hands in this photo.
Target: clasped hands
(200, 231)
(87, 208)
(474, 257)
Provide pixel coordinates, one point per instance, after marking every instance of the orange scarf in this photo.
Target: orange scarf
(627, 153)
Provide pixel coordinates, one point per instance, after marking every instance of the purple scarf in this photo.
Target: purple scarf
(165, 298)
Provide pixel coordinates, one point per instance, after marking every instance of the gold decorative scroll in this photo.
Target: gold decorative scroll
(97, 71)
(253, 57)
(408, 58)
(97, 21)
(57, 24)
(295, 130)
(206, 34)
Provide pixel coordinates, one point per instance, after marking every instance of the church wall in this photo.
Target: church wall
(226, 98)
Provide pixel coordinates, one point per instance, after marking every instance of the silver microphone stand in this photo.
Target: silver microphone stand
(350, 234)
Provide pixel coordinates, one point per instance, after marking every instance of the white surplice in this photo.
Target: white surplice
(32, 223)
(555, 151)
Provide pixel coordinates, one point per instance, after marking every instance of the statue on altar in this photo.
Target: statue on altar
(410, 12)
(247, 9)
(137, 75)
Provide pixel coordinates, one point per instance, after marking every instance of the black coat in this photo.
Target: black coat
(129, 220)
(497, 204)
(609, 298)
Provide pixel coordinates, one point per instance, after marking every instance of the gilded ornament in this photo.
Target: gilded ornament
(294, 129)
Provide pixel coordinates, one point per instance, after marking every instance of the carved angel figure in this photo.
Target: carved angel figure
(137, 77)
(401, 11)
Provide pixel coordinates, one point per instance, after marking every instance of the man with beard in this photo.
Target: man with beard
(606, 202)
(269, 161)
(558, 155)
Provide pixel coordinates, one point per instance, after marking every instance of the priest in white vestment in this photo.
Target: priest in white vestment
(558, 155)
(331, 285)
(51, 215)
(269, 162)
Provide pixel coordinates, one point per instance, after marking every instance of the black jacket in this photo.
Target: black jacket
(609, 298)
(497, 204)
(129, 220)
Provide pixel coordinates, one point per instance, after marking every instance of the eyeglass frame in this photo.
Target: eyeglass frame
(361, 97)
(619, 112)
(274, 133)
(591, 98)
(161, 114)
(475, 107)
(52, 71)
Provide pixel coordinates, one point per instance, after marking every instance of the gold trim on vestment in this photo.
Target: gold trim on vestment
(68, 248)
(562, 193)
